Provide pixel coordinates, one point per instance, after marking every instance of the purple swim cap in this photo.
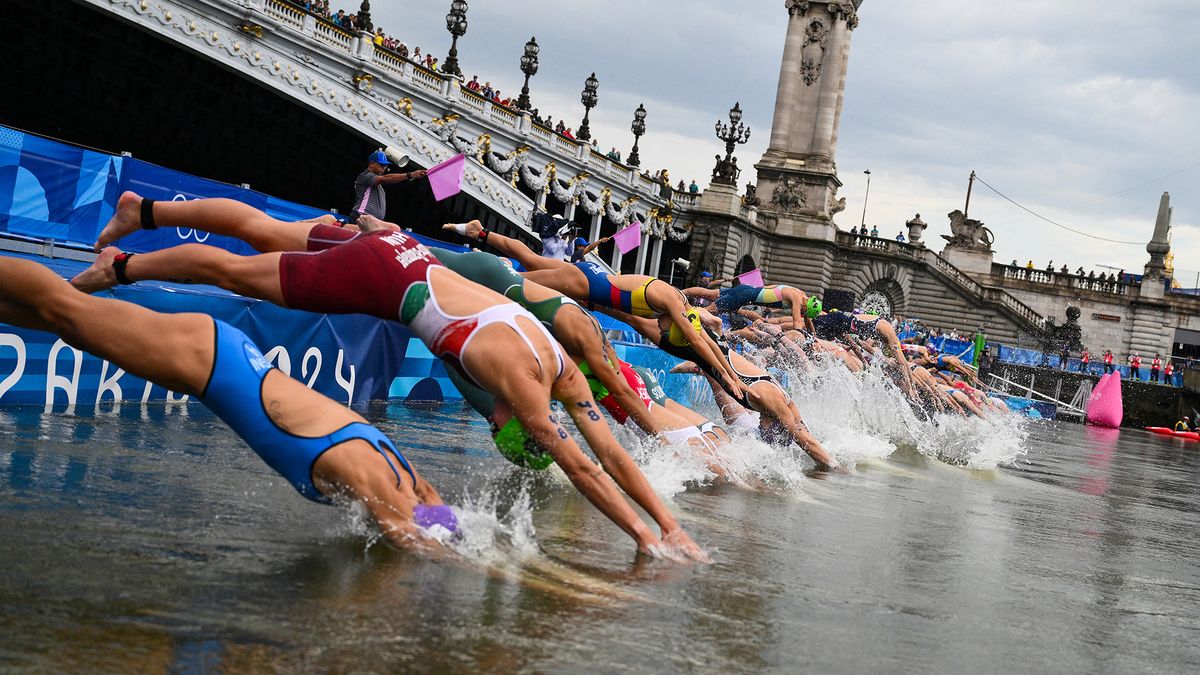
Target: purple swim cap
(426, 516)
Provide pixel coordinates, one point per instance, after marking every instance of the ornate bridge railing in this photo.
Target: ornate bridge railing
(429, 115)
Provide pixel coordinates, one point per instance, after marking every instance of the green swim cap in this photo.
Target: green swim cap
(812, 308)
(517, 447)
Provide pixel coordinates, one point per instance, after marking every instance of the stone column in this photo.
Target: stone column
(641, 259)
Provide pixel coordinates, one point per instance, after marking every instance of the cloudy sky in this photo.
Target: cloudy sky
(1082, 111)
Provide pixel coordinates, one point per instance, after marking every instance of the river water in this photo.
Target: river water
(148, 538)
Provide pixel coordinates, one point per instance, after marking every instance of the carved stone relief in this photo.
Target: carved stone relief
(788, 195)
(816, 38)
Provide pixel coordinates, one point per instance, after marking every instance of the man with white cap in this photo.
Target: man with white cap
(369, 196)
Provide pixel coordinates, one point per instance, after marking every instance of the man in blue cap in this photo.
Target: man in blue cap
(369, 197)
(582, 248)
(707, 280)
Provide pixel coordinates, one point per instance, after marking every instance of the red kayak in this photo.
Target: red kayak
(1163, 431)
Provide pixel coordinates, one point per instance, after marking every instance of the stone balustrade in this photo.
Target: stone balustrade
(1060, 280)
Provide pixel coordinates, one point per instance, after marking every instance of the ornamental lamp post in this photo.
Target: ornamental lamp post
(364, 16)
(588, 98)
(529, 66)
(735, 132)
(866, 196)
(639, 129)
(456, 23)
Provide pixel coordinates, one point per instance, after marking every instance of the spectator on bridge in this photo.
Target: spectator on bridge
(1085, 361)
(1079, 272)
(434, 66)
(554, 232)
(416, 56)
(1029, 265)
(339, 19)
(402, 50)
(583, 248)
(1050, 267)
(1135, 367)
(682, 187)
(854, 231)
(487, 90)
(369, 197)
(560, 127)
(473, 85)
(1014, 263)
(1108, 361)
(1169, 374)
(900, 237)
(1064, 356)
(875, 231)
(693, 188)
(1064, 270)
(1155, 368)
(568, 133)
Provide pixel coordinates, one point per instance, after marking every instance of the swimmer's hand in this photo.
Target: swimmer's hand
(679, 542)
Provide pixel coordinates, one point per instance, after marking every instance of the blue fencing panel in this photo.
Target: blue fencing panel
(52, 190)
(55, 191)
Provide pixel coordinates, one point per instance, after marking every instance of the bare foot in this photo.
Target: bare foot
(369, 223)
(127, 220)
(101, 274)
(470, 230)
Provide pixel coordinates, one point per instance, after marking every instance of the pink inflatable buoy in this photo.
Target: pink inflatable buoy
(1104, 405)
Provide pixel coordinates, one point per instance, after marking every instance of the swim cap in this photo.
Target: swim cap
(379, 157)
(517, 447)
(427, 516)
(812, 308)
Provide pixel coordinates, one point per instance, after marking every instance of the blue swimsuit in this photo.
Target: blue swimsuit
(737, 297)
(234, 393)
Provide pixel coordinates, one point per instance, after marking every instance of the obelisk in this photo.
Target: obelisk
(797, 175)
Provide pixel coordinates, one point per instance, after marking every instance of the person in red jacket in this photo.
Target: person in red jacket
(1155, 367)
(1169, 374)
(1084, 361)
(1108, 361)
(1135, 367)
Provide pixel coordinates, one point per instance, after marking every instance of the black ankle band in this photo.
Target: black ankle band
(148, 215)
(119, 263)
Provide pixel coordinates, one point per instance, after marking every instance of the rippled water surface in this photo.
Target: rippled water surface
(150, 539)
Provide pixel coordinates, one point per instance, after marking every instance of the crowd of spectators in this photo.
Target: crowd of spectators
(1101, 281)
(873, 233)
(350, 22)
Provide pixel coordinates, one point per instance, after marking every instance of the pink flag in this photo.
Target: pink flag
(752, 278)
(446, 178)
(629, 238)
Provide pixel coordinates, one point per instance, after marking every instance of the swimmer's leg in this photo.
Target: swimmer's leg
(255, 276)
(775, 406)
(217, 216)
(174, 350)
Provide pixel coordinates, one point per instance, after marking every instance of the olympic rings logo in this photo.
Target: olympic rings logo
(190, 233)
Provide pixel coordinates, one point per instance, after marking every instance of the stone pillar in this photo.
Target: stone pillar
(797, 176)
(641, 259)
(594, 234)
(656, 258)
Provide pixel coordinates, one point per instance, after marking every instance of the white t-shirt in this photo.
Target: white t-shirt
(556, 248)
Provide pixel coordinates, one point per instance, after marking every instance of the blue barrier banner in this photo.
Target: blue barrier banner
(52, 190)
(350, 358)
(55, 191)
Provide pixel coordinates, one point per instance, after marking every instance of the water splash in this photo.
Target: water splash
(864, 416)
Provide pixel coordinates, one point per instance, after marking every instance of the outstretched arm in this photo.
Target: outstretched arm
(594, 245)
(605, 371)
(574, 394)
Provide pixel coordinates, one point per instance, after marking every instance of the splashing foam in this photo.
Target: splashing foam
(865, 416)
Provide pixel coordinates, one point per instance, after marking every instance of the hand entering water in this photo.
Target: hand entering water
(679, 542)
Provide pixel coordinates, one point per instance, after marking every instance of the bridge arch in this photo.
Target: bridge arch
(884, 285)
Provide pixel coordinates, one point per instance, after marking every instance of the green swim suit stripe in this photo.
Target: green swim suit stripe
(414, 300)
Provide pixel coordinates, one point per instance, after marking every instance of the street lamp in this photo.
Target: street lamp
(529, 66)
(735, 132)
(639, 128)
(364, 16)
(588, 97)
(456, 23)
(865, 197)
